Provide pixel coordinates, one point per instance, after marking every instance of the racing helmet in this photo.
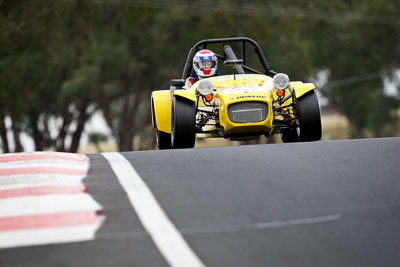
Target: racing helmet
(205, 63)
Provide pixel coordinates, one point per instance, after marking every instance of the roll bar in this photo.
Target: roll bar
(228, 54)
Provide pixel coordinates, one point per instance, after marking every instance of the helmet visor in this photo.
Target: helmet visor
(206, 64)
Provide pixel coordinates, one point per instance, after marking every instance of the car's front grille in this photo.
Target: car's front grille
(248, 112)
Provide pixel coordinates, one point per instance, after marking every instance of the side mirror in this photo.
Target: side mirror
(177, 82)
(233, 62)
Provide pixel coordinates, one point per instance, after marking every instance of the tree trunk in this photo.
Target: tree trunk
(62, 134)
(128, 116)
(37, 138)
(355, 129)
(128, 119)
(104, 101)
(98, 148)
(3, 133)
(83, 117)
(16, 132)
(143, 126)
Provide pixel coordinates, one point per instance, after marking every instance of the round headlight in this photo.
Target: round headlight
(281, 81)
(205, 87)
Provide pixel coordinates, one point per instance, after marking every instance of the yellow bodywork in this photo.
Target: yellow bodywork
(161, 102)
(302, 88)
(228, 89)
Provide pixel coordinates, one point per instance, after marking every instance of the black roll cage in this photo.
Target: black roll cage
(229, 54)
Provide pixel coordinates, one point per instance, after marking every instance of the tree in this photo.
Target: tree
(63, 60)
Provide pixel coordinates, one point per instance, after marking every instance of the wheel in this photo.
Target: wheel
(183, 122)
(289, 136)
(163, 140)
(309, 117)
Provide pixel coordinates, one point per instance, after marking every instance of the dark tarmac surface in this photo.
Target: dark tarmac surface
(333, 203)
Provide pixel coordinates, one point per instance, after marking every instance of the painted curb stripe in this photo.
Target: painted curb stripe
(43, 200)
(41, 157)
(51, 153)
(166, 237)
(70, 218)
(41, 190)
(15, 181)
(32, 205)
(47, 236)
(44, 164)
(42, 170)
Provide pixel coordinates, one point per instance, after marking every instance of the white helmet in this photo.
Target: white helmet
(205, 63)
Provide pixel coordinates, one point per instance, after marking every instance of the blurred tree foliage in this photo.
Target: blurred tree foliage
(61, 61)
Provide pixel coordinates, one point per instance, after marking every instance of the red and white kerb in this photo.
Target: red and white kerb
(43, 199)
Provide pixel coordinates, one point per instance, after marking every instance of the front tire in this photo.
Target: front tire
(309, 117)
(183, 122)
(163, 140)
(290, 136)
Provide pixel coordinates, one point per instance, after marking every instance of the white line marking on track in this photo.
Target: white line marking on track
(166, 237)
(298, 221)
(266, 225)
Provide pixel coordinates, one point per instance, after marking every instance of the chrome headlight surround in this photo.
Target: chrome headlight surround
(205, 87)
(281, 81)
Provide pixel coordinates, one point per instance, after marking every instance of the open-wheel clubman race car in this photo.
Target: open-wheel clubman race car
(242, 105)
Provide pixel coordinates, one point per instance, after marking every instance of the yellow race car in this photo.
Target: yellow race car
(241, 105)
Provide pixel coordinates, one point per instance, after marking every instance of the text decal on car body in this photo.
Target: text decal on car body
(250, 96)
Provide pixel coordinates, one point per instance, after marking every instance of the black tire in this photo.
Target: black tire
(183, 122)
(309, 117)
(163, 140)
(289, 136)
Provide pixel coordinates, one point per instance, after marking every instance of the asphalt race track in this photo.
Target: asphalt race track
(334, 203)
